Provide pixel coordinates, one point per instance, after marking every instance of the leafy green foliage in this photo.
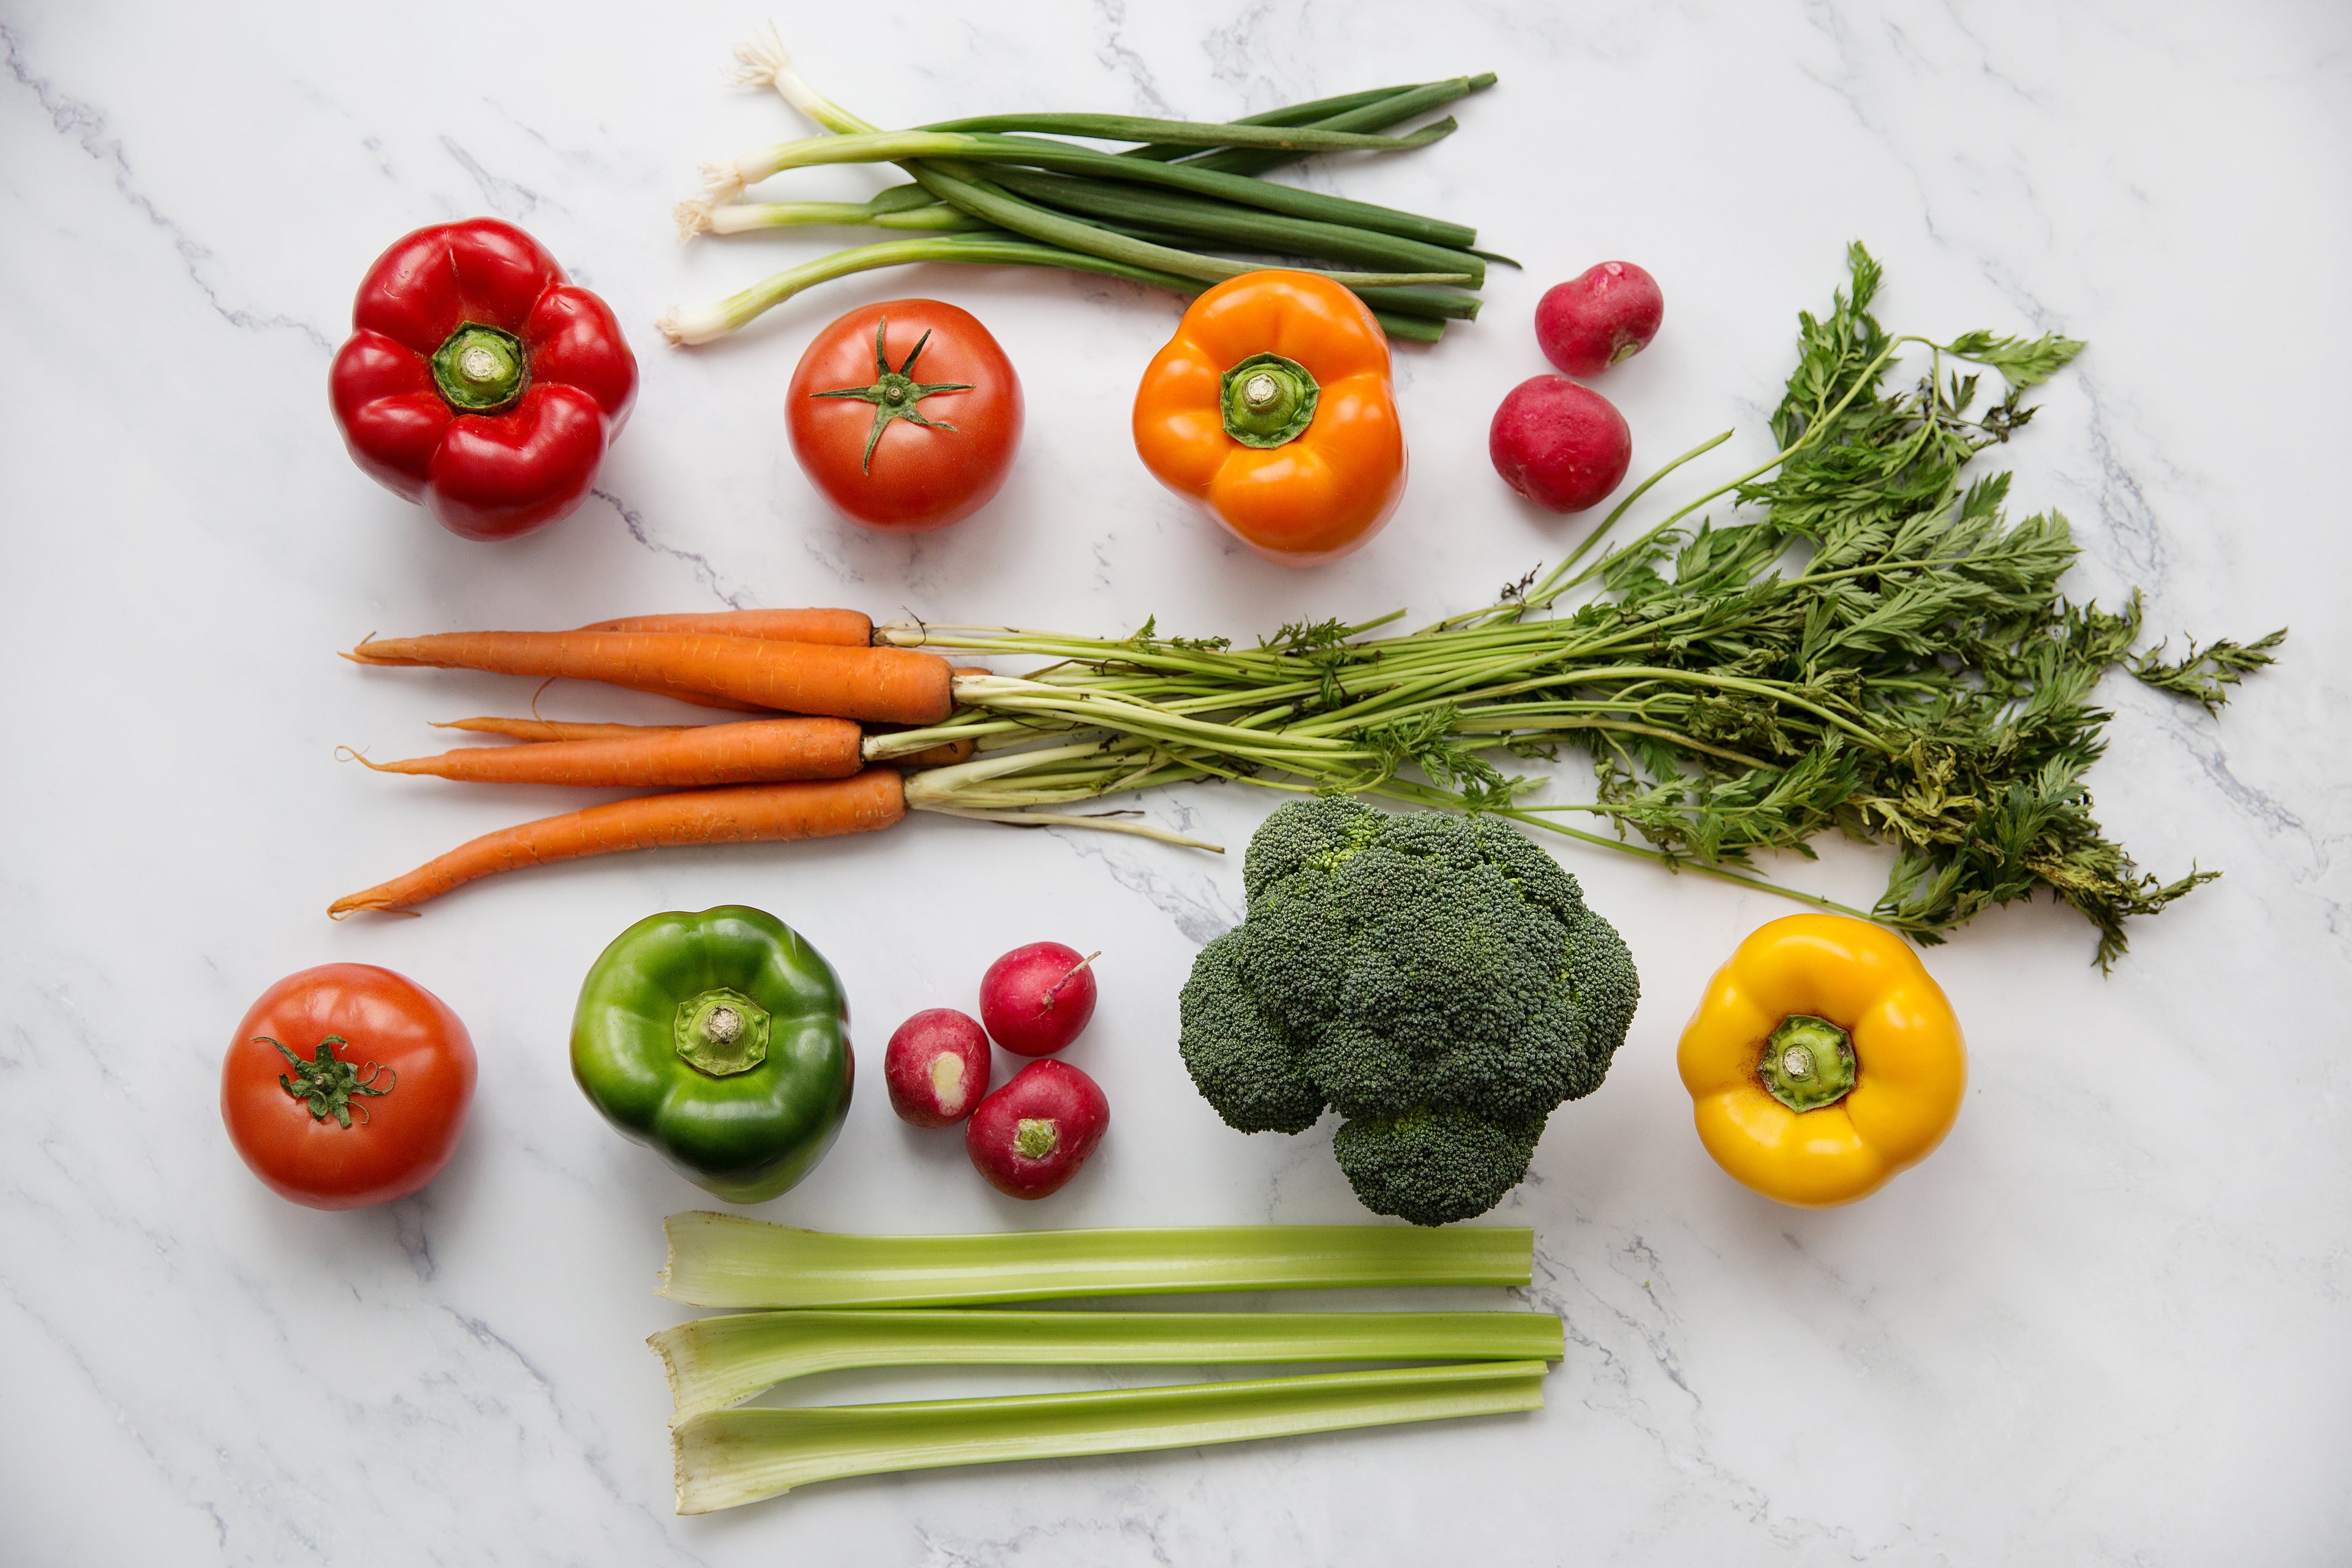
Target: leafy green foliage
(1427, 741)
(2205, 672)
(2023, 362)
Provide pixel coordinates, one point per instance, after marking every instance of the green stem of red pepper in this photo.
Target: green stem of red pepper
(480, 370)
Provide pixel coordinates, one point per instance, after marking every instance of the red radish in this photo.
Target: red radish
(1562, 445)
(1603, 314)
(1035, 999)
(1032, 1135)
(935, 1067)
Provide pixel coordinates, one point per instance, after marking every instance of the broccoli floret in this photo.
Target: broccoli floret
(1233, 1053)
(1434, 1165)
(1436, 980)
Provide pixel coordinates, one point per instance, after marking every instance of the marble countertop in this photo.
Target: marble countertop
(2106, 1324)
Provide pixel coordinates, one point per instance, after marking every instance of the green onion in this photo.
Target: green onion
(743, 218)
(729, 1457)
(1199, 133)
(724, 180)
(1079, 209)
(954, 182)
(1198, 219)
(1412, 328)
(1442, 304)
(1320, 112)
(992, 248)
(1240, 189)
(721, 1260)
(1376, 116)
(713, 1363)
(988, 248)
(898, 146)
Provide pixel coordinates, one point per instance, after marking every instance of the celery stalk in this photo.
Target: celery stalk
(714, 1362)
(730, 1456)
(721, 1260)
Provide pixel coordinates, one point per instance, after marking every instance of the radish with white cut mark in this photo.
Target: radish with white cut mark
(1603, 314)
(935, 1067)
(1037, 999)
(1032, 1135)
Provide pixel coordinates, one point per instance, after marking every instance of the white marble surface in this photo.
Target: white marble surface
(2106, 1324)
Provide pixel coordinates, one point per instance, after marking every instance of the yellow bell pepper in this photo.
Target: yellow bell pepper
(1823, 1060)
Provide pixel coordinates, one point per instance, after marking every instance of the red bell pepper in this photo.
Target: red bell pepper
(478, 382)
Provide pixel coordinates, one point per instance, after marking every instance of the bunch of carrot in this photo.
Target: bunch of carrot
(840, 717)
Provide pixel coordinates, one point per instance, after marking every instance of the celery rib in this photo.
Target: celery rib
(723, 1260)
(726, 1458)
(713, 1363)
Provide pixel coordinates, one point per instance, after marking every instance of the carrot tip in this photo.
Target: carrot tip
(357, 901)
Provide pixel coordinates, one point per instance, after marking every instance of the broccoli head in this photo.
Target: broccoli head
(1436, 980)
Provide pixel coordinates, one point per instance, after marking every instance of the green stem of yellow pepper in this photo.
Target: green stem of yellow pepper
(1807, 1063)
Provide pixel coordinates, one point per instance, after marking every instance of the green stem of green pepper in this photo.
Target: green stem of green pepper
(722, 1032)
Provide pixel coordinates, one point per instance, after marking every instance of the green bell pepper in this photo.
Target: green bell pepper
(722, 1041)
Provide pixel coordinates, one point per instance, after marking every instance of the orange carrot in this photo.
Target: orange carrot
(842, 628)
(736, 814)
(760, 751)
(940, 755)
(890, 684)
(554, 729)
(700, 698)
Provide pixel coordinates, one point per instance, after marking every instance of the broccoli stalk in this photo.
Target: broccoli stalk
(1436, 980)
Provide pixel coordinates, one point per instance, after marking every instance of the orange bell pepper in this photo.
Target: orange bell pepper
(1823, 1060)
(1272, 407)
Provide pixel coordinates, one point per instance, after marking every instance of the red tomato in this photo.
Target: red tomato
(399, 1066)
(908, 433)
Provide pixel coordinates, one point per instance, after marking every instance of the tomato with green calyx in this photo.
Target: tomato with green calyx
(905, 414)
(346, 1086)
